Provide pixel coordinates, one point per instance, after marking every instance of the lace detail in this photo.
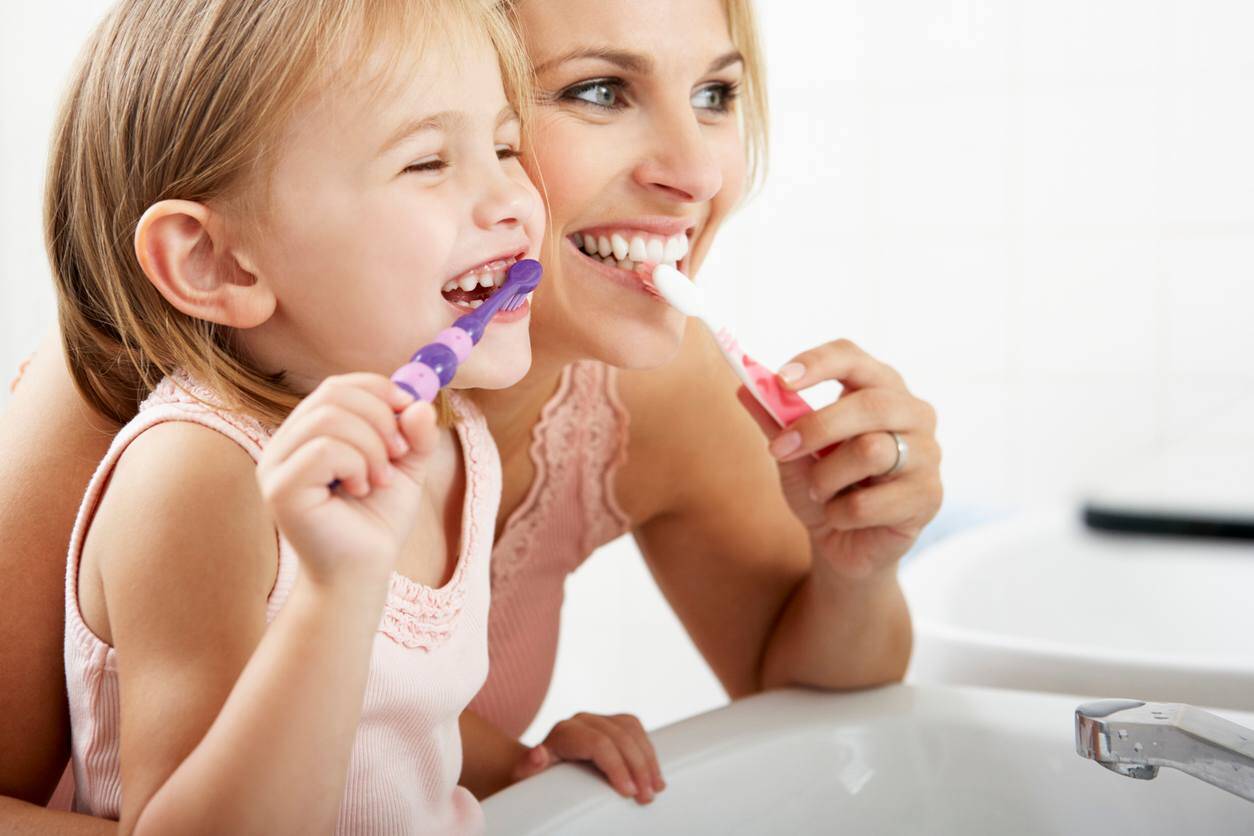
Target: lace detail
(421, 617)
(21, 372)
(579, 442)
(182, 388)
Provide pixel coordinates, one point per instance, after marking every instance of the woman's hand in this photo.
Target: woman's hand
(859, 516)
(617, 745)
(365, 433)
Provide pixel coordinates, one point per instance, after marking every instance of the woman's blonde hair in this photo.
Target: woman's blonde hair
(754, 115)
(186, 99)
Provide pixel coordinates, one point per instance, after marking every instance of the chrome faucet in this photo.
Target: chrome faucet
(1135, 738)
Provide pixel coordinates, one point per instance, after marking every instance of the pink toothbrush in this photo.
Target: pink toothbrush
(783, 405)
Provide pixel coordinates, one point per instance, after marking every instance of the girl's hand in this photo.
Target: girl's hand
(859, 518)
(616, 745)
(369, 435)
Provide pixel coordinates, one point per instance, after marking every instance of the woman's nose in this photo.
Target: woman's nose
(681, 164)
(506, 202)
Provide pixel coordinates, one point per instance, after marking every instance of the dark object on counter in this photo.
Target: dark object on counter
(1165, 524)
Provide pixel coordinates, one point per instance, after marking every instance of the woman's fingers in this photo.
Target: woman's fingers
(634, 755)
(899, 503)
(842, 361)
(618, 746)
(854, 414)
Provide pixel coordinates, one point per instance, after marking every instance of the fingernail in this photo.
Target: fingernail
(631, 788)
(537, 756)
(399, 445)
(814, 494)
(792, 372)
(388, 474)
(785, 444)
(402, 394)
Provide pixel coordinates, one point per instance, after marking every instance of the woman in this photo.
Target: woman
(627, 422)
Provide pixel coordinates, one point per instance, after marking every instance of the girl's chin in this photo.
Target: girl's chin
(494, 369)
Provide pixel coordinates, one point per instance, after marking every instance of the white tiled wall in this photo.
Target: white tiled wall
(1040, 211)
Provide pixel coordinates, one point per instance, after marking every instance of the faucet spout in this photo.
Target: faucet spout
(1135, 738)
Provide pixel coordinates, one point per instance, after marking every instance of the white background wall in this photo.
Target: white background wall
(1042, 212)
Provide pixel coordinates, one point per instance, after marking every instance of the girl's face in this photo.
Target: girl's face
(638, 149)
(392, 207)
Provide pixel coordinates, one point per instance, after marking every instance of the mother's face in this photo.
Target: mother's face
(636, 142)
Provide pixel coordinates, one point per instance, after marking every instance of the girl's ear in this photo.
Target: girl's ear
(181, 249)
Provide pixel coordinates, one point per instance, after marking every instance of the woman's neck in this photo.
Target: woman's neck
(512, 412)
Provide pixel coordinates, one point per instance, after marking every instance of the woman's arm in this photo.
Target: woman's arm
(776, 588)
(50, 443)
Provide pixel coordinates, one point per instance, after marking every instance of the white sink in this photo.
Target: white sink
(904, 759)
(1042, 604)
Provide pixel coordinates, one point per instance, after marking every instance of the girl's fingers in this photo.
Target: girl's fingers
(377, 385)
(371, 406)
(854, 414)
(300, 481)
(841, 361)
(334, 421)
(642, 773)
(418, 426)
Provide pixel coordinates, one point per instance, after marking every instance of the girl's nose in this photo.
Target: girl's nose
(506, 202)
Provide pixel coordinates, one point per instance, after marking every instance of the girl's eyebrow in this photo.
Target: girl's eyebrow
(632, 62)
(445, 120)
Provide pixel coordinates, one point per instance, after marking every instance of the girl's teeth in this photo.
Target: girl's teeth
(475, 303)
(637, 250)
(603, 246)
(486, 280)
(620, 246)
(450, 286)
(656, 249)
(468, 282)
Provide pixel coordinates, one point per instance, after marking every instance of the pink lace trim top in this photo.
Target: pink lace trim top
(429, 657)
(577, 447)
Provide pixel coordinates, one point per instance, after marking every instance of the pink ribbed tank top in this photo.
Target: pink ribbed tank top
(570, 510)
(429, 657)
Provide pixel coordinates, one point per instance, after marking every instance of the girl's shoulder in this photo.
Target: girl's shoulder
(178, 516)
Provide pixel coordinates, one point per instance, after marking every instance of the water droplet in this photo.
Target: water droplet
(1123, 734)
(1137, 747)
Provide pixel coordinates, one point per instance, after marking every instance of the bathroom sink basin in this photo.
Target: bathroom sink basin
(1041, 603)
(903, 759)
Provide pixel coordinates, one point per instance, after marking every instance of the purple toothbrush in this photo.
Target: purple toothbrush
(432, 367)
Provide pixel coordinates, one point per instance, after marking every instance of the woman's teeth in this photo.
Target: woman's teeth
(626, 249)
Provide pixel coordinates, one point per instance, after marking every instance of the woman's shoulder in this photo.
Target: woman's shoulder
(682, 414)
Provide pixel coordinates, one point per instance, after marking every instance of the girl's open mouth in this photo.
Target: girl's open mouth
(472, 288)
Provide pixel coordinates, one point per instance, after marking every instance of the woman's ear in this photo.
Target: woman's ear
(182, 250)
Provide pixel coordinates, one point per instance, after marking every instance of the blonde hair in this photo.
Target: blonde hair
(186, 99)
(754, 114)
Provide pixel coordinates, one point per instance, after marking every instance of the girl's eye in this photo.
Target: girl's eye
(507, 152)
(426, 166)
(716, 97)
(605, 93)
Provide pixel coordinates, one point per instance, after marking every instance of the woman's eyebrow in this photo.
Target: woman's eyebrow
(632, 62)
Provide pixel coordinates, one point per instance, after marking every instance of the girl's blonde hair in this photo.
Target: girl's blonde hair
(186, 99)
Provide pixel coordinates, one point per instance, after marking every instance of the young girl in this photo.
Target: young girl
(270, 206)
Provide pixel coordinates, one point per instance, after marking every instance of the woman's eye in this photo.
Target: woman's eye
(603, 93)
(426, 166)
(716, 97)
